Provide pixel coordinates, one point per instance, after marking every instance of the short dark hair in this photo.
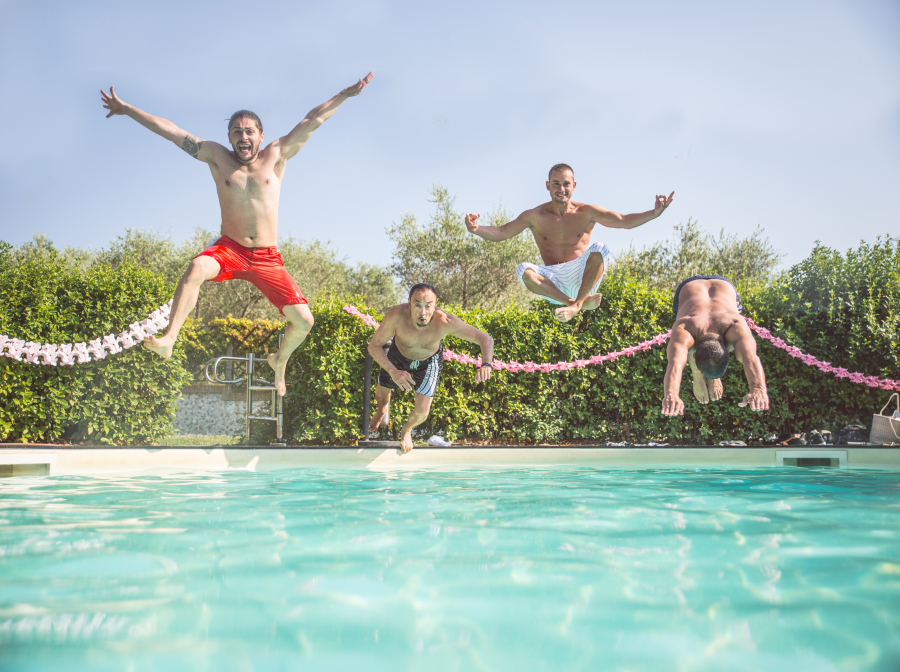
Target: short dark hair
(712, 358)
(560, 167)
(244, 114)
(419, 286)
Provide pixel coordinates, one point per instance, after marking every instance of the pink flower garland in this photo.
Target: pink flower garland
(825, 367)
(531, 367)
(80, 353)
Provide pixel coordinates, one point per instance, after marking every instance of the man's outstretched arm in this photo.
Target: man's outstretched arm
(677, 353)
(158, 125)
(615, 220)
(471, 334)
(745, 351)
(293, 141)
(497, 233)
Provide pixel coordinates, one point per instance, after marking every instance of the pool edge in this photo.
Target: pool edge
(78, 460)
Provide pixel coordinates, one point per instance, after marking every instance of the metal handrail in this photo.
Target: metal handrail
(277, 401)
(215, 374)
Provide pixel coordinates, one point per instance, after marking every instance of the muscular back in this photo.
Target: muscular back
(708, 306)
(248, 194)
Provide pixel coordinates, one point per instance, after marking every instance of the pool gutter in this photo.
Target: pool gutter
(30, 460)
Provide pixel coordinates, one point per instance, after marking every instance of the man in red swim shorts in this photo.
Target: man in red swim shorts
(248, 181)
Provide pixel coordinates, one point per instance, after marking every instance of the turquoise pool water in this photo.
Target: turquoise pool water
(538, 569)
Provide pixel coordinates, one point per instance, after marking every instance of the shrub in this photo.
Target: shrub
(125, 398)
(617, 401)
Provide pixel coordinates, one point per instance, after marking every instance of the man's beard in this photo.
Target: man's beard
(253, 155)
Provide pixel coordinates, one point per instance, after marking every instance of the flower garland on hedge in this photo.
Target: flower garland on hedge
(531, 367)
(825, 367)
(80, 353)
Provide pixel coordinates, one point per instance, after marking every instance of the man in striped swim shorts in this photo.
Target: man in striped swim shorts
(415, 357)
(562, 229)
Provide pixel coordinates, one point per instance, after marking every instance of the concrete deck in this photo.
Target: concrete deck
(32, 460)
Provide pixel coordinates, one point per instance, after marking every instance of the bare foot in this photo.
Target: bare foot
(700, 390)
(592, 302)
(566, 313)
(715, 389)
(161, 346)
(278, 368)
(378, 421)
(406, 443)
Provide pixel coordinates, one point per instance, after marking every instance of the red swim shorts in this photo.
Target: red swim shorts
(263, 266)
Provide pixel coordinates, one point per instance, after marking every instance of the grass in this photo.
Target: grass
(203, 440)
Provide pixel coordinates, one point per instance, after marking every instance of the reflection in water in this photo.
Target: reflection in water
(531, 569)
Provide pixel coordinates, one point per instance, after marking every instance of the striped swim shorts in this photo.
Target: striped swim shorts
(567, 276)
(425, 372)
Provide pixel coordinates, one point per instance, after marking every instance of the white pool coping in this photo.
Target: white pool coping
(76, 460)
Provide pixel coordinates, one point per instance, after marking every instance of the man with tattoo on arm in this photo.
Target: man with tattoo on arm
(416, 355)
(248, 182)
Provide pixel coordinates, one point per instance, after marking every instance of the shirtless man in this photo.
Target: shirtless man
(708, 324)
(416, 356)
(562, 229)
(248, 181)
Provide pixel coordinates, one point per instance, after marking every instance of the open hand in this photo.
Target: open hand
(356, 89)
(403, 379)
(662, 203)
(672, 405)
(112, 102)
(757, 399)
(470, 223)
(483, 374)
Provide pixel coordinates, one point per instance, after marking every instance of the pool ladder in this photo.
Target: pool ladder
(251, 361)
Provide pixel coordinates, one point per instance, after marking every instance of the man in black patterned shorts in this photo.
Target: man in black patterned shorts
(415, 358)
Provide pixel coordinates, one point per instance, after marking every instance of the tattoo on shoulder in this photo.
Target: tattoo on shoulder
(191, 145)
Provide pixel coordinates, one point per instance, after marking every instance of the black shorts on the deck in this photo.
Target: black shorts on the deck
(703, 277)
(425, 372)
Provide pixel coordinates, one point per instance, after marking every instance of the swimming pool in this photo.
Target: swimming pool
(478, 569)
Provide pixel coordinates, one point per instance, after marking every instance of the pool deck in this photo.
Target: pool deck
(33, 460)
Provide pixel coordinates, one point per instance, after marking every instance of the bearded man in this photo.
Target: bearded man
(248, 183)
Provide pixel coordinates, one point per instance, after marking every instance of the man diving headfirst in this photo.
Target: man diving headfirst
(248, 182)
(416, 356)
(562, 229)
(708, 323)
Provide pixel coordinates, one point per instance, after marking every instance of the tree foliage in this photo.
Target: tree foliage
(466, 270)
(316, 266)
(692, 251)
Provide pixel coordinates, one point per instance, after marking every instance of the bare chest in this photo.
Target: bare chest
(416, 343)
(568, 229)
(242, 184)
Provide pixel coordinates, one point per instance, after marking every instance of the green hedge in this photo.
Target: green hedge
(844, 308)
(125, 398)
(617, 401)
(841, 308)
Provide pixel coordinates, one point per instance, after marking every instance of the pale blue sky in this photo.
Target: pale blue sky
(784, 114)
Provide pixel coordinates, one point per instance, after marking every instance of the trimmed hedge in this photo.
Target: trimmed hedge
(844, 308)
(618, 401)
(125, 398)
